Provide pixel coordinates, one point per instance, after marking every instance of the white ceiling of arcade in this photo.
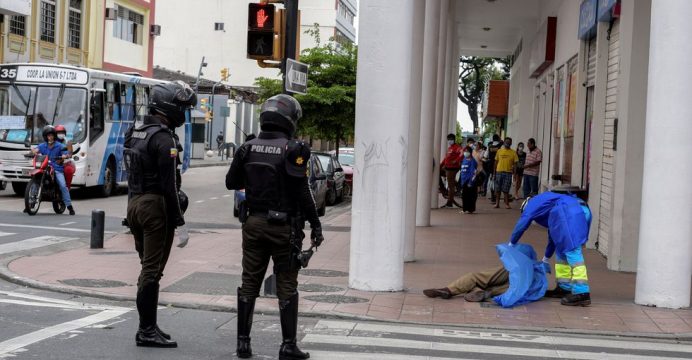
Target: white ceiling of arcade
(494, 27)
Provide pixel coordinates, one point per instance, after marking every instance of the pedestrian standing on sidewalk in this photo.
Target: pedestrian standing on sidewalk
(469, 173)
(491, 154)
(452, 164)
(568, 219)
(506, 161)
(482, 176)
(273, 171)
(519, 172)
(532, 165)
(153, 207)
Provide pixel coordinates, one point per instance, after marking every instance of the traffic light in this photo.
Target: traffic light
(264, 33)
(204, 104)
(224, 74)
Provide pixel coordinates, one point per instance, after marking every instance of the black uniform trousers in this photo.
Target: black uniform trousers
(262, 241)
(146, 214)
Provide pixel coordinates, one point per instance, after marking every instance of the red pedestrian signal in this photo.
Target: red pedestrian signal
(264, 40)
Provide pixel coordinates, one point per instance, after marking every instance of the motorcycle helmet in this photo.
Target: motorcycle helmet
(280, 112)
(48, 129)
(59, 129)
(171, 100)
(183, 201)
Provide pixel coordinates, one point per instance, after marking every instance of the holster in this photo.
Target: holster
(296, 242)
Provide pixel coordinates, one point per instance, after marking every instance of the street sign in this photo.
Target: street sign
(296, 77)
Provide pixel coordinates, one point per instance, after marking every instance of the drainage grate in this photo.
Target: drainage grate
(319, 288)
(336, 299)
(323, 273)
(207, 283)
(94, 283)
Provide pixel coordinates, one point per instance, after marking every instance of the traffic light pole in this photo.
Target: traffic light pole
(291, 32)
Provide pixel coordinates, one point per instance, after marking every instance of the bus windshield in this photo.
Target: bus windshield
(26, 109)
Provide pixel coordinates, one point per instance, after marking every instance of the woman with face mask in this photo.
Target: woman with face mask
(469, 172)
(519, 173)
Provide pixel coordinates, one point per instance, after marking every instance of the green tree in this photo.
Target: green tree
(474, 72)
(329, 105)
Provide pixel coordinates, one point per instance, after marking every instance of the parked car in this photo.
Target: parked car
(318, 184)
(335, 176)
(347, 159)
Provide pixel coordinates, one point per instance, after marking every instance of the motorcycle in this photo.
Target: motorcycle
(42, 187)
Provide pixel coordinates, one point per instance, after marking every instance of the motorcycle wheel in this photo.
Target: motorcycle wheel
(32, 197)
(59, 207)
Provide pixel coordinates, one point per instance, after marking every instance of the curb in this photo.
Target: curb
(11, 277)
(217, 163)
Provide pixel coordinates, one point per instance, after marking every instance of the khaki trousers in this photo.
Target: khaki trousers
(494, 280)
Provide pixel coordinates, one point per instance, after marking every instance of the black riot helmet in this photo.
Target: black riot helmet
(49, 129)
(280, 112)
(172, 100)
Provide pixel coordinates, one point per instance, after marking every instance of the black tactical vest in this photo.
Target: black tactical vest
(265, 172)
(142, 174)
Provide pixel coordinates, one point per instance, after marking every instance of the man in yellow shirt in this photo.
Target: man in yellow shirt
(506, 160)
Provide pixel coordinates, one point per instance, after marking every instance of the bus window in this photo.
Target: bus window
(142, 102)
(96, 121)
(127, 102)
(70, 113)
(113, 101)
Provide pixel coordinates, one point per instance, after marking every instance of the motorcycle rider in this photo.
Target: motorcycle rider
(153, 208)
(272, 169)
(68, 164)
(57, 153)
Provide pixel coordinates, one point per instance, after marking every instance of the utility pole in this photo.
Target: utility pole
(199, 73)
(291, 33)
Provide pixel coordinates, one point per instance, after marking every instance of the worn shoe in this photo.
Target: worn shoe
(162, 333)
(576, 300)
(477, 296)
(446, 206)
(149, 337)
(434, 293)
(71, 209)
(557, 293)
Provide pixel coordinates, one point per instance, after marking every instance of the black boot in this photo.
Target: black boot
(288, 310)
(148, 334)
(246, 308)
(70, 209)
(576, 300)
(557, 293)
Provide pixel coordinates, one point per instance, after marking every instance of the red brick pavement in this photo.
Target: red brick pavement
(456, 243)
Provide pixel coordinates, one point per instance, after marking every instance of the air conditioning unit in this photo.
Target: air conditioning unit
(219, 26)
(155, 30)
(111, 13)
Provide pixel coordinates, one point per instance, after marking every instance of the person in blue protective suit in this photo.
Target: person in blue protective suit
(57, 153)
(568, 219)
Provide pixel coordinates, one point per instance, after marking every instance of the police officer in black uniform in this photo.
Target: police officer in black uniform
(272, 169)
(153, 208)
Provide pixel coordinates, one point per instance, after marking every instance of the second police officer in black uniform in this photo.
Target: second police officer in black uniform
(273, 171)
(153, 208)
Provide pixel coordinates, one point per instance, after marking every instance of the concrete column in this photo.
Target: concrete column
(446, 97)
(439, 96)
(382, 130)
(426, 163)
(414, 131)
(665, 262)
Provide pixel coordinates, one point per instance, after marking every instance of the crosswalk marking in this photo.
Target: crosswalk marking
(370, 340)
(33, 243)
(11, 346)
(317, 355)
(536, 339)
(6, 234)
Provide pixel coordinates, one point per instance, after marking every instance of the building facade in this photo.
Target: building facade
(600, 84)
(77, 32)
(217, 31)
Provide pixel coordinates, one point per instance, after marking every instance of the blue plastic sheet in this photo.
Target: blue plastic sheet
(527, 279)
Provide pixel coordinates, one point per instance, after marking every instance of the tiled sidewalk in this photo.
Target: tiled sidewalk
(455, 244)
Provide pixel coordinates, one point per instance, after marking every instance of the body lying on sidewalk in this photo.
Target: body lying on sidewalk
(519, 280)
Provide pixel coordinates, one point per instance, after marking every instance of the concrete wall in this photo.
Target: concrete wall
(121, 55)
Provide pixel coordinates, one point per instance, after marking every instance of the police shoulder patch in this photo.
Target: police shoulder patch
(297, 153)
